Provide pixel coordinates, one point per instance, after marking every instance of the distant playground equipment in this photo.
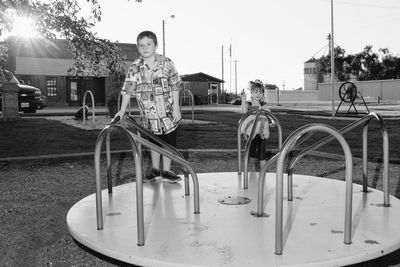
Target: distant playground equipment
(348, 93)
(182, 100)
(315, 226)
(84, 106)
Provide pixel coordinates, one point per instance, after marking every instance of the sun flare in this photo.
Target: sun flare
(24, 27)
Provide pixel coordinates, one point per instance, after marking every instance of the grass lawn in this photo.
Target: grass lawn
(38, 136)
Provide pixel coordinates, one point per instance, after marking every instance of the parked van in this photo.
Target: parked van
(30, 98)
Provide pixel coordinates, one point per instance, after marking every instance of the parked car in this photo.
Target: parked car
(30, 98)
(237, 101)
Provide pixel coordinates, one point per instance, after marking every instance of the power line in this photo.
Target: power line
(365, 5)
(324, 47)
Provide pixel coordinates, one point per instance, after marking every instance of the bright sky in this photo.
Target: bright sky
(270, 40)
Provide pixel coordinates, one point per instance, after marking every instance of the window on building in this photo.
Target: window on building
(213, 88)
(74, 91)
(51, 86)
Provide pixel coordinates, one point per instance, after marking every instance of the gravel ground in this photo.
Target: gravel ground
(36, 196)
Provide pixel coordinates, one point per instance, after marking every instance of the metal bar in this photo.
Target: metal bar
(326, 140)
(99, 210)
(109, 171)
(290, 184)
(289, 144)
(365, 158)
(139, 182)
(174, 158)
(261, 179)
(137, 127)
(247, 150)
(139, 197)
(385, 174)
(384, 133)
(173, 155)
(132, 122)
(187, 188)
(84, 103)
(239, 141)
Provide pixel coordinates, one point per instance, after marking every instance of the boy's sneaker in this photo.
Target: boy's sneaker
(170, 177)
(151, 175)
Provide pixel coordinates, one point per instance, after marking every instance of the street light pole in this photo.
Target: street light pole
(163, 37)
(332, 48)
(236, 77)
(163, 31)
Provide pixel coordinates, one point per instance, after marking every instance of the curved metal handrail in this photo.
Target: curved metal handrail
(366, 120)
(132, 122)
(139, 182)
(137, 127)
(289, 144)
(84, 103)
(258, 113)
(134, 139)
(192, 102)
(176, 158)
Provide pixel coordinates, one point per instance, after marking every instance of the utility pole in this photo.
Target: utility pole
(277, 95)
(236, 77)
(222, 61)
(332, 62)
(163, 31)
(230, 69)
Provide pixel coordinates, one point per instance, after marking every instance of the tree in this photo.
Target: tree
(62, 18)
(371, 67)
(342, 63)
(366, 65)
(270, 86)
(391, 64)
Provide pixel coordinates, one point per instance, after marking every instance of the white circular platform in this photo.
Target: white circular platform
(228, 235)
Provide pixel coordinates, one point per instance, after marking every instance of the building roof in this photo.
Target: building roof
(311, 60)
(58, 48)
(200, 77)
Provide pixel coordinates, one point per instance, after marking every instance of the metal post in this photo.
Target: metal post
(222, 84)
(236, 77)
(163, 31)
(163, 37)
(365, 158)
(332, 62)
(277, 95)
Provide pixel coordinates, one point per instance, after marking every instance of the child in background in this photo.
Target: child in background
(258, 100)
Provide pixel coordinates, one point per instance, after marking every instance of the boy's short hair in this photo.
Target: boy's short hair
(257, 84)
(148, 34)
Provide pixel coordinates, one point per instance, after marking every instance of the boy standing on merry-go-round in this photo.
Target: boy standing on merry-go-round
(155, 82)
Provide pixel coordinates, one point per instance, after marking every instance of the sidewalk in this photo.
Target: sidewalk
(388, 108)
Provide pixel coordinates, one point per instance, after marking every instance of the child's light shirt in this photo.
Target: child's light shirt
(153, 91)
(262, 127)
